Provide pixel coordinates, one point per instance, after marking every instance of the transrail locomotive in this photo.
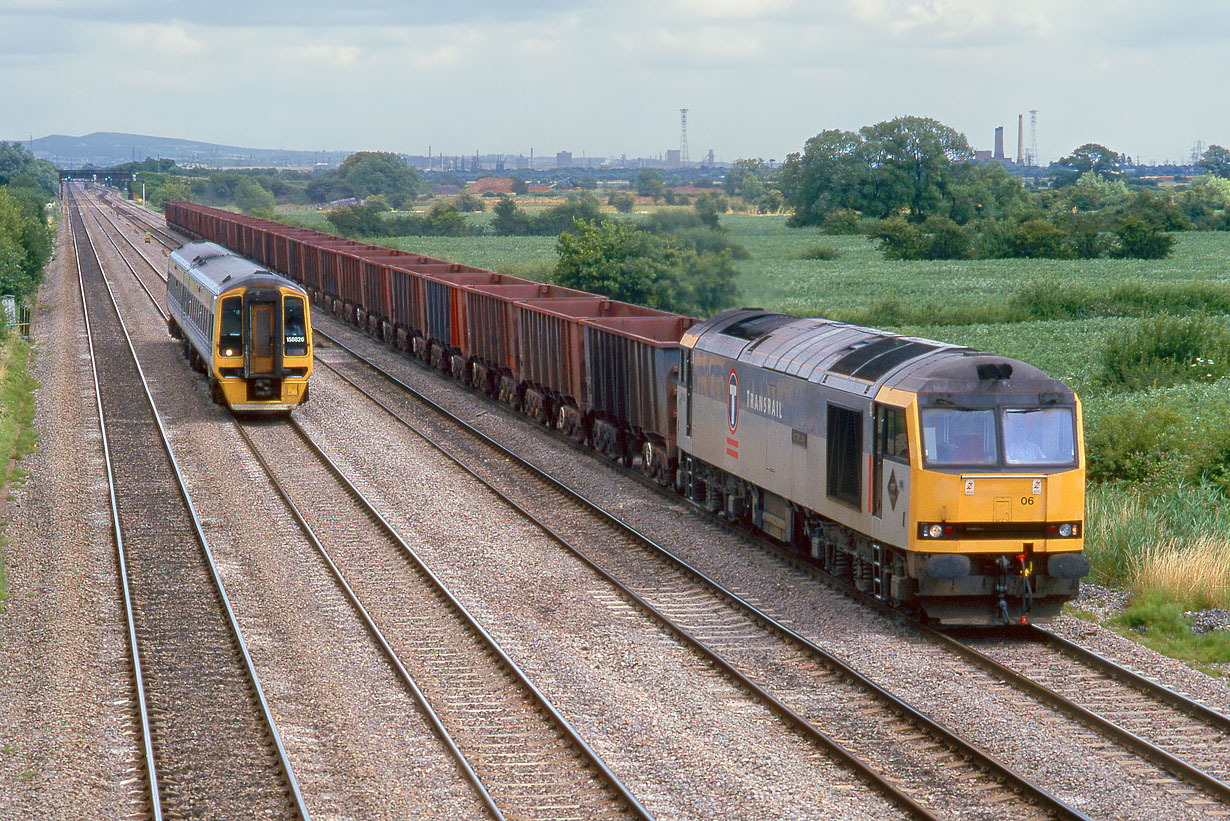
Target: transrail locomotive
(934, 477)
(246, 328)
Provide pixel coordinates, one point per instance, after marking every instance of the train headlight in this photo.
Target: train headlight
(1065, 530)
(935, 531)
(228, 352)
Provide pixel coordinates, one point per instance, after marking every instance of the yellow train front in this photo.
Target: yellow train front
(932, 476)
(249, 330)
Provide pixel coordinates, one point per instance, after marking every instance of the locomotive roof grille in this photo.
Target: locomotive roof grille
(757, 326)
(871, 360)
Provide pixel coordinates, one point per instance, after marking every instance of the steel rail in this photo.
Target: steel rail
(474, 624)
(1129, 740)
(147, 743)
(420, 698)
(1151, 688)
(953, 740)
(217, 578)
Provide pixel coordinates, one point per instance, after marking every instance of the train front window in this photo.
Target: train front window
(230, 339)
(956, 436)
(296, 326)
(1039, 436)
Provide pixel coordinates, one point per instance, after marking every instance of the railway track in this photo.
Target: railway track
(209, 742)
(1182, 738)
(530, 765)
(525, 757)
(925, 769)
(1174, 732)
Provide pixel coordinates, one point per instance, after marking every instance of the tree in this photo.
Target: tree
(824, 178)
(770, 202)
(357, 220)
(17, 160)
(510, 220)
(1216, 160)
(381, 172)
(444, 220)
(168, 192)
(1090, 157)
(1206, 200)
(709, 206)
(1093, 192)
(25, 240)
(908, 162)
(519, 187)
(621, 201)
(613, 258)
(985, 191)
(649, 183)
(254, 200)
(470, 203)
(746, 178)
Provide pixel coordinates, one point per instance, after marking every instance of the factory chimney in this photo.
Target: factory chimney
(1020, 139)
(999, 142)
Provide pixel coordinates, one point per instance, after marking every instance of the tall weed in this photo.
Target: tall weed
(1166, 350)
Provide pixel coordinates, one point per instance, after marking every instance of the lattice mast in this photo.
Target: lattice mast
(1032, 157)
(683, 137)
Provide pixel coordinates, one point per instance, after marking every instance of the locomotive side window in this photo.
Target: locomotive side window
(230, 340)
(893, 442)
(1039, 436)
(845, 447)
(296, 327)
(956, 436)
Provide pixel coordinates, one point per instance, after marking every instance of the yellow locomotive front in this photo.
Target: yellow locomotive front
(997, 499)
(263, 347)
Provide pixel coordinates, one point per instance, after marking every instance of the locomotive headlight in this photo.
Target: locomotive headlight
(228, 352)
(1065, 530)
(935, 531)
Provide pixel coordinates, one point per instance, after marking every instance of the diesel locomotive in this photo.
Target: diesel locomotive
(923, 473)
(246, 328)
(934, 477)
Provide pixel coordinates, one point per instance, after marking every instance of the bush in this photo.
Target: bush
(1139, 240)
(1040, 238)
(937, 238)
(1166, 350)
(844, 221)
(821, 252)
(1137, 445)
(899, 239)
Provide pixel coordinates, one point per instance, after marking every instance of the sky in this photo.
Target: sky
(599, 79)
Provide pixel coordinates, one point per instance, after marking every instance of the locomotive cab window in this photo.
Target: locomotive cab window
(296, 327)
(230, 339)
(1039, 436)
(959, 436)
(845, 447)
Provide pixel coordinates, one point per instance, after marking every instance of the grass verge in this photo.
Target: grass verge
(17, 434)
(1158, 622)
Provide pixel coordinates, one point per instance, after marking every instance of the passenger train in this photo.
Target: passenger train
(248, 329)
(937, 478)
